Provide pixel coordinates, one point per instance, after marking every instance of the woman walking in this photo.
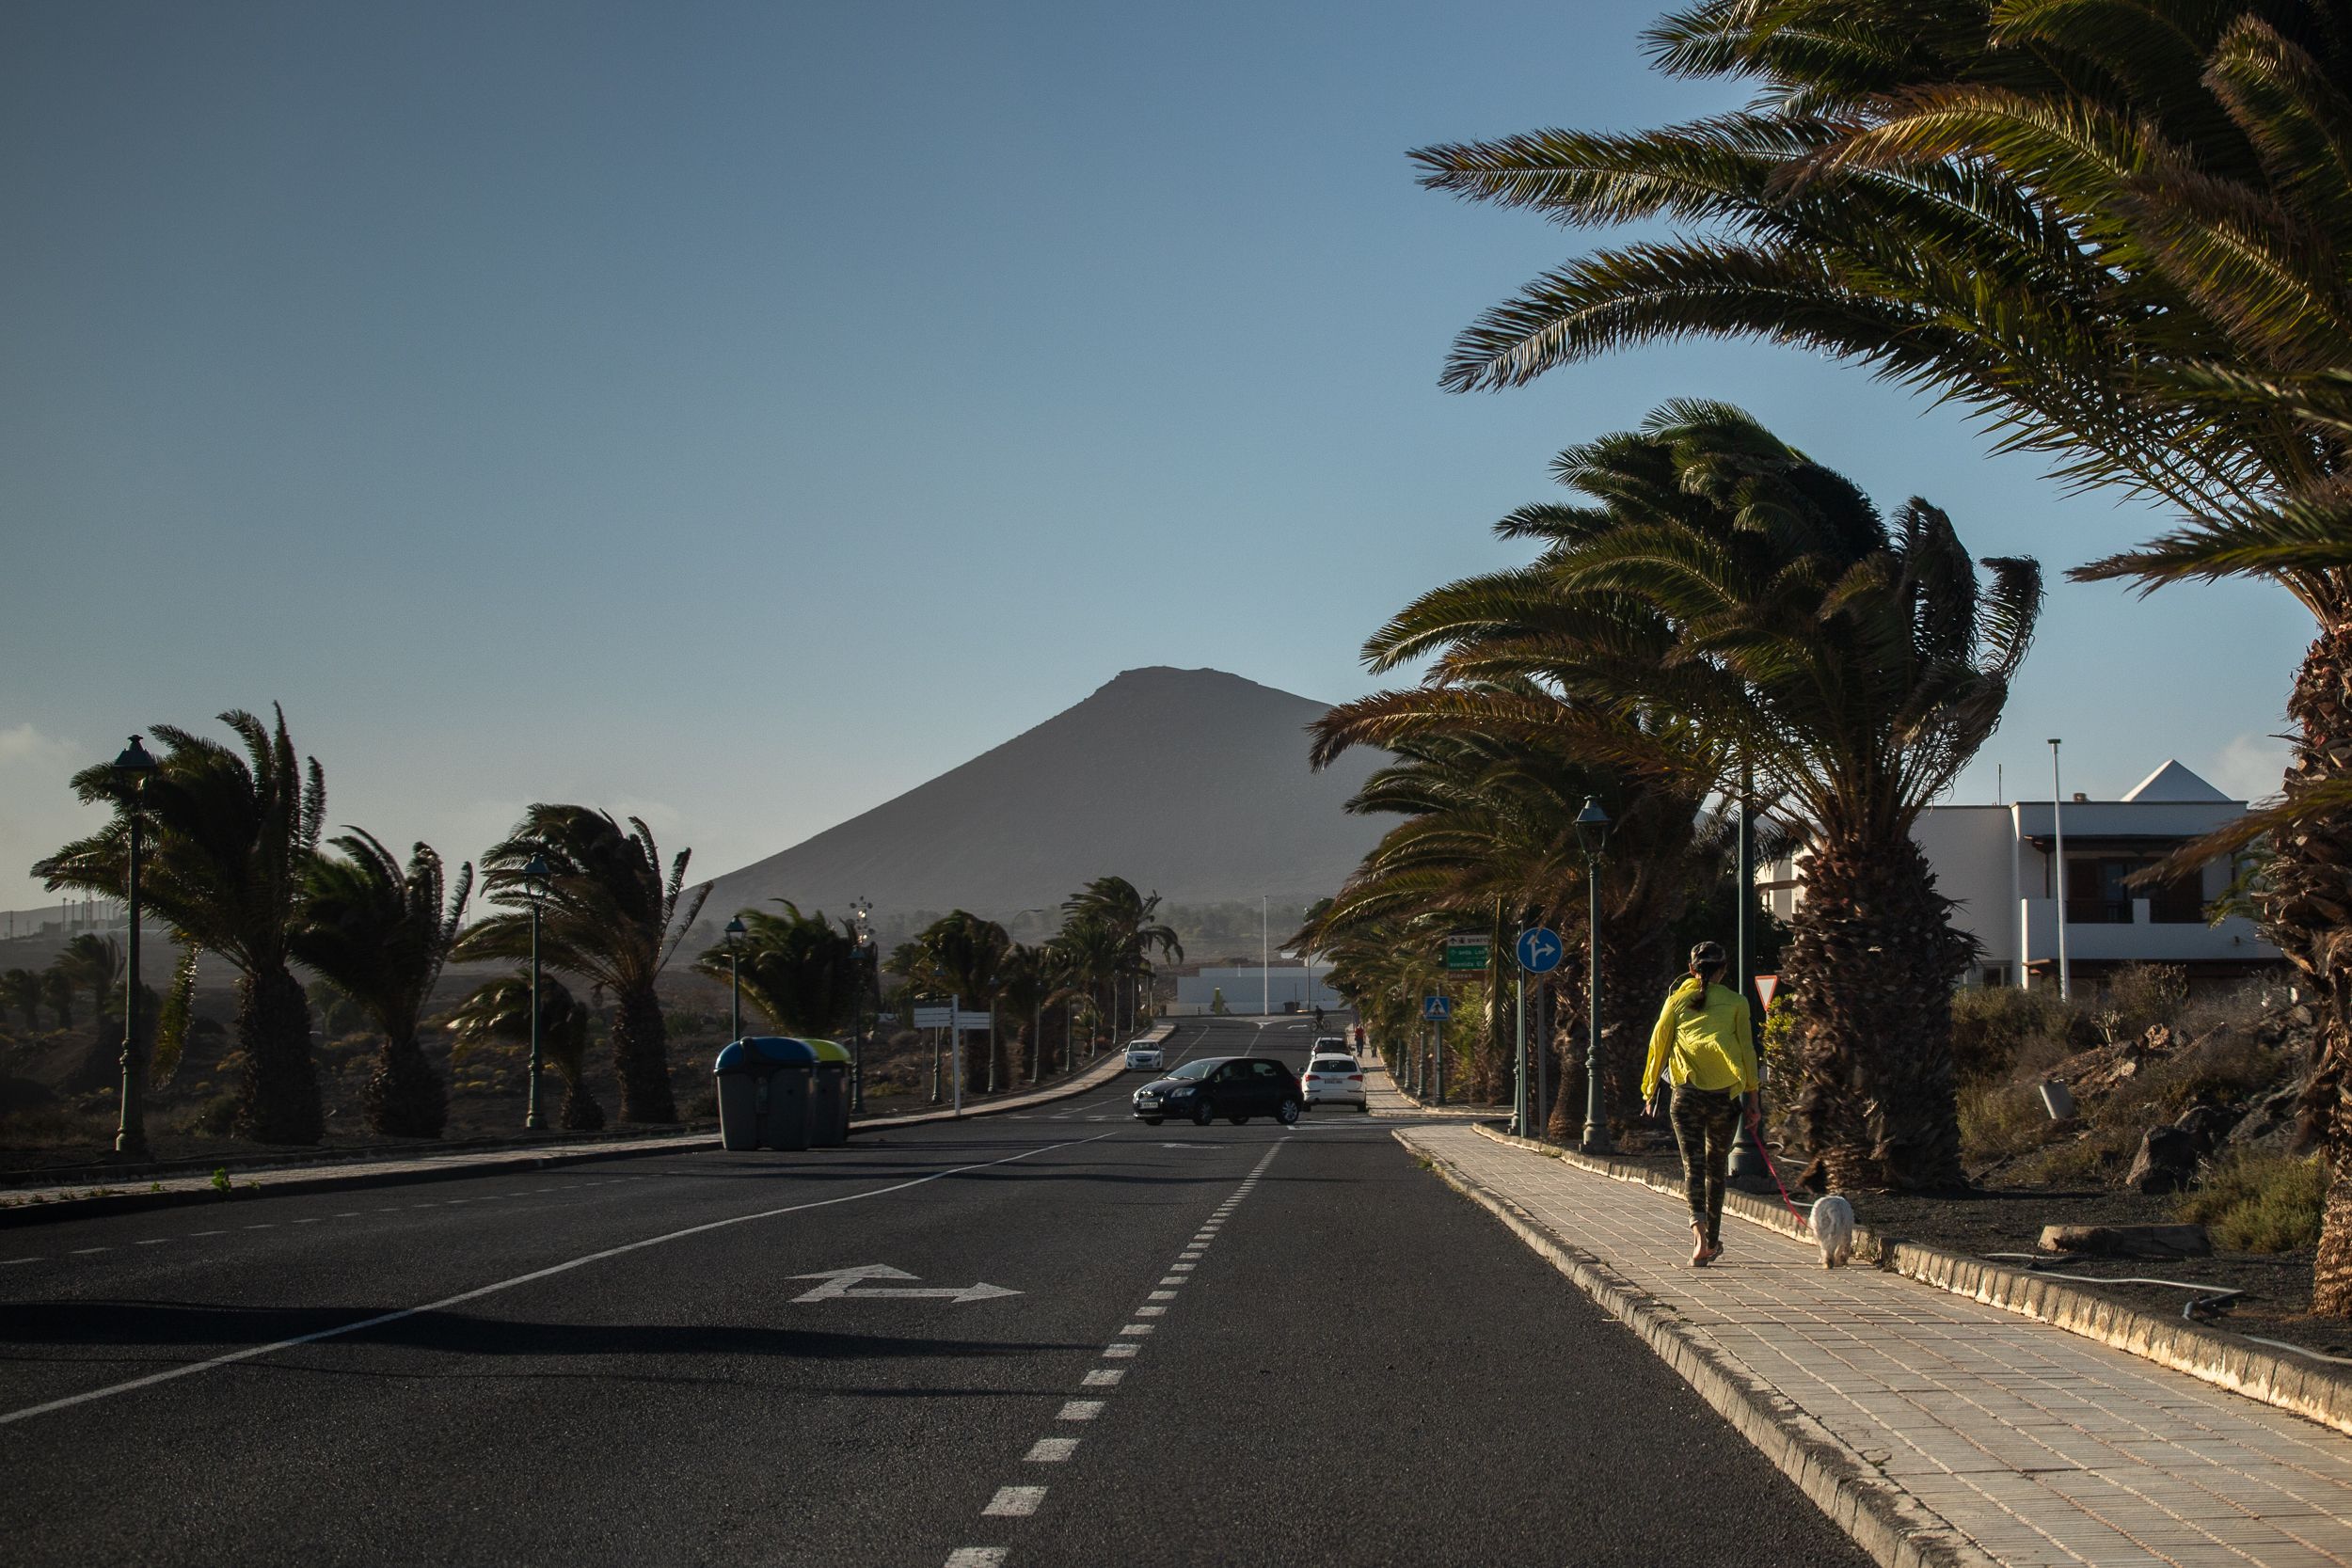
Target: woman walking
(1705, 1046)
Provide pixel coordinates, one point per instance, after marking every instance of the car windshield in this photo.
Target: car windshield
(1331, 1064)
(1201, 1069)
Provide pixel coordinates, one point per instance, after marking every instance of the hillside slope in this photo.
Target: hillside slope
(1190, 782)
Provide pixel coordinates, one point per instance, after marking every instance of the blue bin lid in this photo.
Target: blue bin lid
(764, 1054)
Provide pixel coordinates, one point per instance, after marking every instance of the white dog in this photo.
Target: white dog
(1832, 1227)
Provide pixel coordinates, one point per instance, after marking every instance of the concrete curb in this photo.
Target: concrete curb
(1893, 1527)
(2211, 1356)
(360, 1179)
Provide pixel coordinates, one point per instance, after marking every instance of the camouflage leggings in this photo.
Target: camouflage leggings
(1705, 1123)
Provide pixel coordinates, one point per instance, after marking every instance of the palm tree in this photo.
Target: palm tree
(799, 970)
(1490, 841)
(1028, 980)
(1093, 953)
(380, 933)
(1134, 916)
(93, 963)
(229, 840)
(21, 989)
(1727, 596)
(965, 955)
(57, 989)
(610, 916)
(499, 1013)
(2119, 235)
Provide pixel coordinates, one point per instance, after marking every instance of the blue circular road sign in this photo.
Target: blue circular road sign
(1540, 950)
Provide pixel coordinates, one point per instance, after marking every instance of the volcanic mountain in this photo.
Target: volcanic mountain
(1192, 783)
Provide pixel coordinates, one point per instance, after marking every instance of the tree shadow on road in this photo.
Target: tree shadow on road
(172, 1324)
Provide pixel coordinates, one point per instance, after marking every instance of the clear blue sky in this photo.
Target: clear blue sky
(739, 414)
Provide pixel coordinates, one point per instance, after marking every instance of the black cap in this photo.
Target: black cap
(1707, 955)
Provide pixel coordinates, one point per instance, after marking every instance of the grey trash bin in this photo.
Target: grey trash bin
(739, 1081)
(785, 1066)
(828, 1095)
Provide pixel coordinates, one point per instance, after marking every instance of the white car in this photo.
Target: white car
(1331, 1079)
(1144, 1054)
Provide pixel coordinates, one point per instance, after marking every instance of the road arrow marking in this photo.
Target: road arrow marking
(844, 1284)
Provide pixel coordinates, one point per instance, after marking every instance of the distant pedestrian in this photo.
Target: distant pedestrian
(1705, 1046)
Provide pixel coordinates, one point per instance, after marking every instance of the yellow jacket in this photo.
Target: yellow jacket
(1702, 1039)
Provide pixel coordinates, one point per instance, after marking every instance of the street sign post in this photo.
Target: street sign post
(1540, 950)
(1436, 1008)
(957, 1024)
(1468, 950)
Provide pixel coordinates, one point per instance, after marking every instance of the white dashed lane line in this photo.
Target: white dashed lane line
(1018, 1502)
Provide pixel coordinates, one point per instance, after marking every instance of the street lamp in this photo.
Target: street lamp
(2057, 859)
(538, 878)
(737, 931)
(1592, 836)
(860, 912)
(135, 766)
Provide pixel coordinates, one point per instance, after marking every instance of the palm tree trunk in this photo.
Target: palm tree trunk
(1867, 974)
(640, 1058)
(278, 1101)
(403, 1096)
(2304, 913)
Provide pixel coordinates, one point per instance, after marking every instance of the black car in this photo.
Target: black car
(1235, 1087)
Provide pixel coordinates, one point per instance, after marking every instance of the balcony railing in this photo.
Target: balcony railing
(2098, 911)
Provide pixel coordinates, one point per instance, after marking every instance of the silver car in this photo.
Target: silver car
(1144, 1054)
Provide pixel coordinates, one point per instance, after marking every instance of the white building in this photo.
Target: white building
(1284, 987)
(1996, 863)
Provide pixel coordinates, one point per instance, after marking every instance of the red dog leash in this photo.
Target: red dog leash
(1756, 1129)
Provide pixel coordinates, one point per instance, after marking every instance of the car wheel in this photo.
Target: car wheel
(1287, 1112)
(1364, 1105)
(1203, 1114)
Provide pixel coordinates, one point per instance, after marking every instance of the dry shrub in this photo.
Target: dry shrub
(2098, 1156)
(2000, 1122)
(2000, 1033)
(62, 1125)
(2259, 1202)
(2138, 997)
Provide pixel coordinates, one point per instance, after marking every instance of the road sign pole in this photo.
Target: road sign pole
(955, 1051)
(1440, 1064)
(1519, 1090)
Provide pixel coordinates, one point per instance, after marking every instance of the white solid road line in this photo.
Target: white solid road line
(978, 1557)
(11, 1416)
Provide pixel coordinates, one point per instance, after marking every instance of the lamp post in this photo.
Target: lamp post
(1748, 1161)
(860, 913)
(735, 931)
(2057, 859)
(1592, 836)
(536, 876)
(135, 766)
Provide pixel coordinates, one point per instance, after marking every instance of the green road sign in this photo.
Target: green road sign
(1467, 951)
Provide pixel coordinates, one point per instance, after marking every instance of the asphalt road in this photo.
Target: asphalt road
(1225, 1344)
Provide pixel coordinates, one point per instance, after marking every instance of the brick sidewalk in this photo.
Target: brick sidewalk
(2038, 1445)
